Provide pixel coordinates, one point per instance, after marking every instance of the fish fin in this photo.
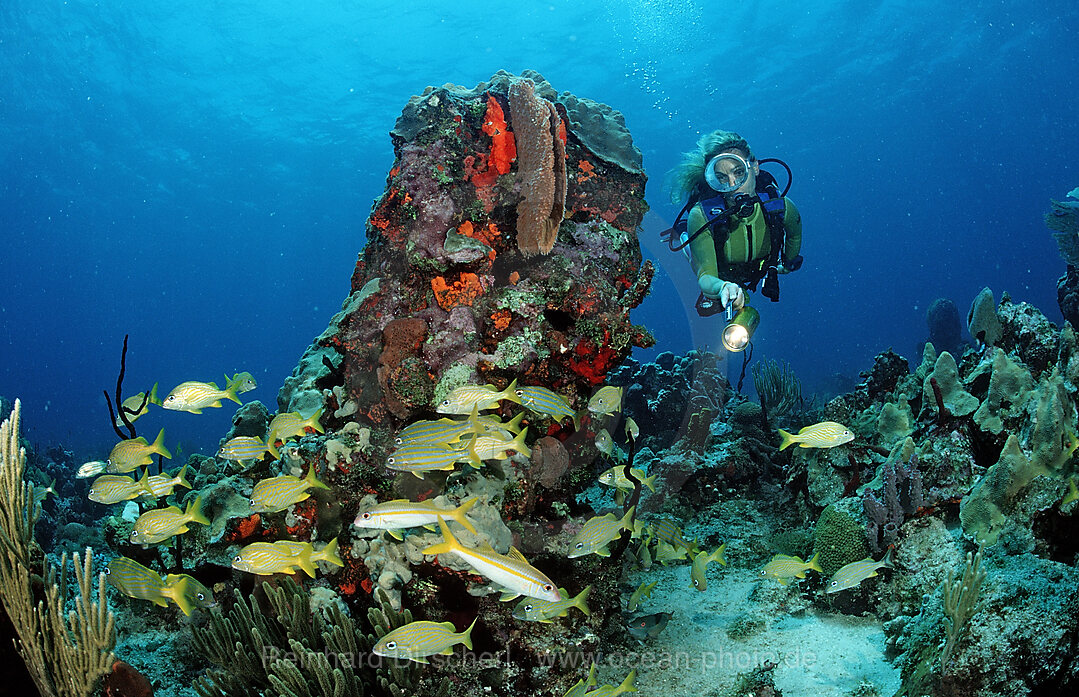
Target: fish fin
(231, 392)
(602, 552)
(782, 581)
(508, 596)
(459, 514)
(888, 560)
(313, 421)
(329, 554)
(627, 684)
(650, 482)
(272, 448)
(303, 560)
(449, 542)
(183, 480)
(515, 553)
(144, 481)
(178, 593)
(417, 475)
(396, 534)
(154, 399)
(194, 511)
(312, 481)
(514, 424)
(518, 443)
(788, 439)
(192, 410)
(718, 554)
(466, 636)
(627, 520)
(814, 563)
(581, 601)
(510, 392)
(159, 445)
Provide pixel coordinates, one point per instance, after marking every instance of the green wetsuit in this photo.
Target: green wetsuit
(747, 247)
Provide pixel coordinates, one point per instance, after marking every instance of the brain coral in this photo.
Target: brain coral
(838, 539)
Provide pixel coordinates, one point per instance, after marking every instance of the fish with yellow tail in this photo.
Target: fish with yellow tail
(495, 448)
(267, 558)
(826, 434)
(416, 641)
(536, 610)
(854, 573)
(400, 514)
(424, 457)
(598, 533)
(135, 406)
(291, 424)
(243, 448)
(583, 684)
(135, 580)
(278, 493)
(194, 396)
(511, 571)
(1073, 493)
(327, 554)
(541, 400)
(616, 477)
(133, 453)
(698, 574)
(643, 591)
(607, 400)
(187, 593)
(164, 484)
(614, 690)
(784, 567)
(243, 382)
(114, 488)
(162, 523)
(463, 399)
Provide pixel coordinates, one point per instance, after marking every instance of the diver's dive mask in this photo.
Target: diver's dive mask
(726, 172)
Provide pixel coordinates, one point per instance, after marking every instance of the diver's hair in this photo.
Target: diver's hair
(688, 175)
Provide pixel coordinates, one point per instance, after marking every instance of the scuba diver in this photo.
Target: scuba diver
(740, 229)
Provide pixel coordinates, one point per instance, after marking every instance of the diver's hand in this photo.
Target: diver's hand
(732, 294)
(710, 286)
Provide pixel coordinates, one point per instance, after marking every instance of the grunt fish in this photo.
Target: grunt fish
(607, 400)
(278, 493)
(536, 610)
(114, 488)
(784, 567)
(417, 640)
(599, 532)
(854, 573)
(698, 573)
(162, 523)
(826, 434)
(130, 454)
(195, 396)
(465, 398)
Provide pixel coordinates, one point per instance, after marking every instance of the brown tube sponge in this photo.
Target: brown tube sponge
(541, 168)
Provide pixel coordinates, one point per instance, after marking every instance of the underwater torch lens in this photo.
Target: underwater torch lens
(735, 337)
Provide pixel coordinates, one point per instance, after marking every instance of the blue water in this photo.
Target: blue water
(197, 175)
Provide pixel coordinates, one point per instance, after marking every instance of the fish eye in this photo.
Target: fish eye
(200, 596)
(398, 440)
(579, 545)
(835, 583)
(389, 460)
(107, 571)
(367, 516)
(237, 558)
(695, 584)
(528, 608)
(391, 645)
(252, 502)
(548, 587)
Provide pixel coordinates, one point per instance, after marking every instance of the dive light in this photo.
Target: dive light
(740, 328)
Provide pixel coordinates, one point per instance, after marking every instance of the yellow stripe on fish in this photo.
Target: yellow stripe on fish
(136, 406)
(854, 573)
(512, 571)
(536, 610)
(495, 448)
(607, 400)
(193, 396)
(428, 432)
(266, 558)
(400, 514)
(187, 593)
(616, 477)
(598, 532)
(826, 434)
(278, 493)
(162, 523)
(243, 448)
(541, 400)
(784, 567)
(417, 640)
(114, 488)
(291, 424)
(162, 485)
(327, 554)
(135, 580)
(243, 382)
(130, 454)
(464, 399)
(418, 459)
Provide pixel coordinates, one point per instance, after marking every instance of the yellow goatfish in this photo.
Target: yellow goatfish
(136, 405)
(194, 396)
(784, 567)
(512, 571)
(826, 434)
(162, 523)
(278, 493)
(130, 454)
(417, 640)
(397, 515)
(465, 398)
(854, 573)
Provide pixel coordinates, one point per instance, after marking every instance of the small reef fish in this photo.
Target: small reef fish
(114, 488)
(598, 532)
(417, 640)
(91, 469)
(465, 398)
(194, 396)
(643, 591)
(511, 571)
(648, 626)
(608, 400)
(278, 493)
(541, 400)
(442, 431)
(399, 514)
(267, 558)
(243, 448)
(135, 580)
(667, 531)
(614, 690)
(327, 554)
(616, 477)
(854, 573)
(130, 454)
(644, 555)
(633, 432)
(578, 690)
(491, 448)
(418, 459)
(243, 382)
(136, 405)
(187, 593)
(536, 610)
(784, 567)
(1072, 495)
(667, 552)
(162, 523)
(164, 484)
(826, 434)
(40, 492)
(604, 442)
(290, 424)
(698, 574)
